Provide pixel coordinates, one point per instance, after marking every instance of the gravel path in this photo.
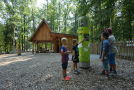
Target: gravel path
(43, 72)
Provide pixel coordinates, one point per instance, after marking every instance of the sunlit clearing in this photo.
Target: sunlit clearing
(12, 61)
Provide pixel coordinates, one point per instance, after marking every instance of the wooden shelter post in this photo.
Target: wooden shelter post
(33, 48)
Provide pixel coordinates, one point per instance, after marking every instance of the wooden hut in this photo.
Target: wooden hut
(43, 36)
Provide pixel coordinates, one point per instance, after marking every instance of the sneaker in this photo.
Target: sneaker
(107, 75)
(103, 72)
(111, 74)
(110, 69)
(115, 72)
(67, 78)
(78, 71)
(75, 72)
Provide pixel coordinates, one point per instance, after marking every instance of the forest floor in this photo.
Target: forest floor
(43, 72)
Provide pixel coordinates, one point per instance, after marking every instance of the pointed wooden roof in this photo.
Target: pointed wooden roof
(42, 33)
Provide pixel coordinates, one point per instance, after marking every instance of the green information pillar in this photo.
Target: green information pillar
(84, 50)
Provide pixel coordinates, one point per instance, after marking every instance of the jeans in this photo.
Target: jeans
(111, 58)
(105, 64)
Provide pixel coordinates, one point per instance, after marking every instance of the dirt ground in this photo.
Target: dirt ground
(43, 72)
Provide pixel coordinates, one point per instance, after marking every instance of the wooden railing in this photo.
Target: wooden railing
(125, 49)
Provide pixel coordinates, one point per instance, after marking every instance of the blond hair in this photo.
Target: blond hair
(63, 39)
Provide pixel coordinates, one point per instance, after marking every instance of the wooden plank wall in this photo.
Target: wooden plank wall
(43, 34)
(125, 50)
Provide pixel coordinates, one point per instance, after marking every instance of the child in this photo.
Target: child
(104, 52)
(64, 57)
(112, 52)
(75, 57)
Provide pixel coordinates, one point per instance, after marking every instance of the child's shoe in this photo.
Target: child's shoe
(107, 74)
(75, 72)
(67, 78)
(115, 72)
(103, 72)
(110, 70)
(111, 73)
(78, 71)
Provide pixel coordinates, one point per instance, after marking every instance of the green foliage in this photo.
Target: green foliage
(117, 14)
(21, 17)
